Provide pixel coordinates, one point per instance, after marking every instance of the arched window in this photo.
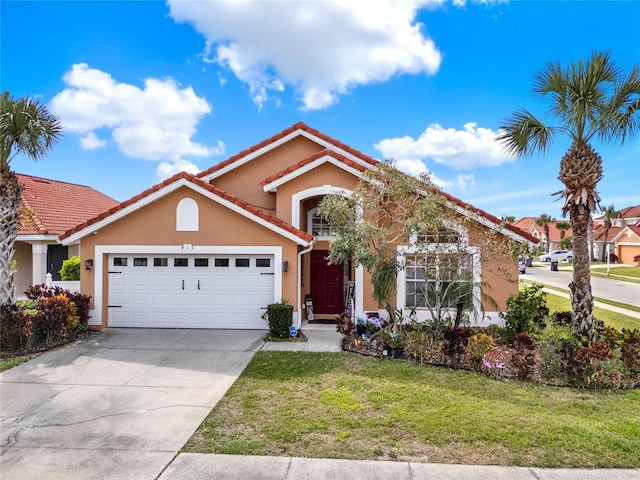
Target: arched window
(187, 218)
(317, 225)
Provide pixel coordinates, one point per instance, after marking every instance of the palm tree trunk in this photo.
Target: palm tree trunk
(592, 253)
(10, 200)
(581, 296)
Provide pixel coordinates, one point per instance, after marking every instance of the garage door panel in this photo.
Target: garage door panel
(163, 295)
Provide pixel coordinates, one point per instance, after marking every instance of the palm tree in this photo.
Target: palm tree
(543, 221)
(26, 127)
(608, 214)
(590, 99)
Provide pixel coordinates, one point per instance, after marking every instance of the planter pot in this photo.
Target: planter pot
(398, 353)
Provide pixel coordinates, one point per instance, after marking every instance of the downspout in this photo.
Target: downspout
(299, 305)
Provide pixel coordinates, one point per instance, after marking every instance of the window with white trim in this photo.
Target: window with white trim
(187, 218)
(317, 225)
(443, 278)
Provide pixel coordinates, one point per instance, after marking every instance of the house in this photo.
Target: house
(622, 238)
(48, 209)
(528, 224)
(213, 250)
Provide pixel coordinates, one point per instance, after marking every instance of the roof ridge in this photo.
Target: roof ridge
(34, 177)
(201, 183)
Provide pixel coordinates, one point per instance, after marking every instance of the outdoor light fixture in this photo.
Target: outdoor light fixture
(88, 264)
(285, 266)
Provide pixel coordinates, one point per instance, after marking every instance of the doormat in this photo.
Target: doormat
(322, 321)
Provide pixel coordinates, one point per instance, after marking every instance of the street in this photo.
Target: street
(607, 288)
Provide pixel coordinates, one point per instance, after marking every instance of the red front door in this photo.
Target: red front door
(326, 284)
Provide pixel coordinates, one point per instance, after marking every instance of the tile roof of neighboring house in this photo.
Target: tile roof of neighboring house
(529, 224)
(312, 158)
(215, 190)
(598, 233)
(282, 134)
(630, 212)
(51, 207)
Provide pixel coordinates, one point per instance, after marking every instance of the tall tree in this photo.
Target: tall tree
(26, 127)
(543, 221)
(590, 99)
(608, 215)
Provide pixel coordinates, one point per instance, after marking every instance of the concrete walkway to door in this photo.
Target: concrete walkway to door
(118, 405)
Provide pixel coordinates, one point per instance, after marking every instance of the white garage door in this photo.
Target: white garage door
(189, 291)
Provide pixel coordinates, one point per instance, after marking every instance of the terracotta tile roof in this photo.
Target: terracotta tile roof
(282, 134)
(51, 207)
(598, 233)
(201, 183)
(529, 224)
(630, 212)
(312, 158)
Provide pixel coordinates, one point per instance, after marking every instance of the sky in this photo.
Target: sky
(145, 89)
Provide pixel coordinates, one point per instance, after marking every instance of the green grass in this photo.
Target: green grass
(556, 303)
(630, 274)
(341, 405)
(7, 363)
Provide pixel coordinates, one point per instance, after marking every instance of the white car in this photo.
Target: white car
(557, 255)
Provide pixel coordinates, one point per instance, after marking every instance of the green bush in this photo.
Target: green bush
(524, 357)
(280, 317)
(479, 345)
(70, 270)
(526, 311)
(630, 351)
(556, 350)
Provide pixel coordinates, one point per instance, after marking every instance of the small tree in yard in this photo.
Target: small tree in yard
(389, 209)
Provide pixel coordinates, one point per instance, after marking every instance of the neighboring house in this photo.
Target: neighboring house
(622, 238)
(528, 224)
(213, 250)
(48, 209)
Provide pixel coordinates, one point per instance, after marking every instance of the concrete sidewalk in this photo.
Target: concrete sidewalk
(198, 466)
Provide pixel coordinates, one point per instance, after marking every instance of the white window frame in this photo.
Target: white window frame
(311, 214)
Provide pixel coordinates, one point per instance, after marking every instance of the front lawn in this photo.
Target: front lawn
(10, 362)
(557, 303)
(343, 405)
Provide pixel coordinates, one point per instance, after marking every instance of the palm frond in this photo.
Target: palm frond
(523, 134)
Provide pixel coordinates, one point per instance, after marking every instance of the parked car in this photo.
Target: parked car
(557, 255)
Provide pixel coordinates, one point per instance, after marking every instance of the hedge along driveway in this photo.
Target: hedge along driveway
(118, 405)
(343, 405)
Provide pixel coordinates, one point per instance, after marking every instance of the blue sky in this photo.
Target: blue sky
(148, 88)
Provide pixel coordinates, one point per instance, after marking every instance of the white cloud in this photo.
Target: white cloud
(464, 149)
(168, 169)
(156, 122)
(323, 49)
(91, 142)
(465, 182)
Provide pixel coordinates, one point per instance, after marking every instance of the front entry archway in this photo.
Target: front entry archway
(327, 284)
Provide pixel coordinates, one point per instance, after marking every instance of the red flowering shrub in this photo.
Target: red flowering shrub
(630, 350)
(587, 368)
(16, 328)
(524, 357)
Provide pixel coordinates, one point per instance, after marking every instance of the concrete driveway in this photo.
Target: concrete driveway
(117, 406)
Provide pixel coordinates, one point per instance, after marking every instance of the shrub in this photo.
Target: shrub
(587, 365)
(56, 319)
(523, 358)
(80, 300)
(479, 345)
(455, 342)
(561, 319)
(637, 260)
(630, 349)
(613, 258)
(16, 329)
(526, 311)
(344, 324)
(70, 270)
(280, 316)
(556, 351)
(608, 335)
(421, 346)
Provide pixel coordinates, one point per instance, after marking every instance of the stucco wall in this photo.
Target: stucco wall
(23, 258)
(155, 224)
(244, 181)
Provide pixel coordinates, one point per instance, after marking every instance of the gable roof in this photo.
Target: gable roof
(299, 129)
(529, 224)
(348, 156)
(51, 207)
(635, 229)
(191, 181)
(326, 155)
